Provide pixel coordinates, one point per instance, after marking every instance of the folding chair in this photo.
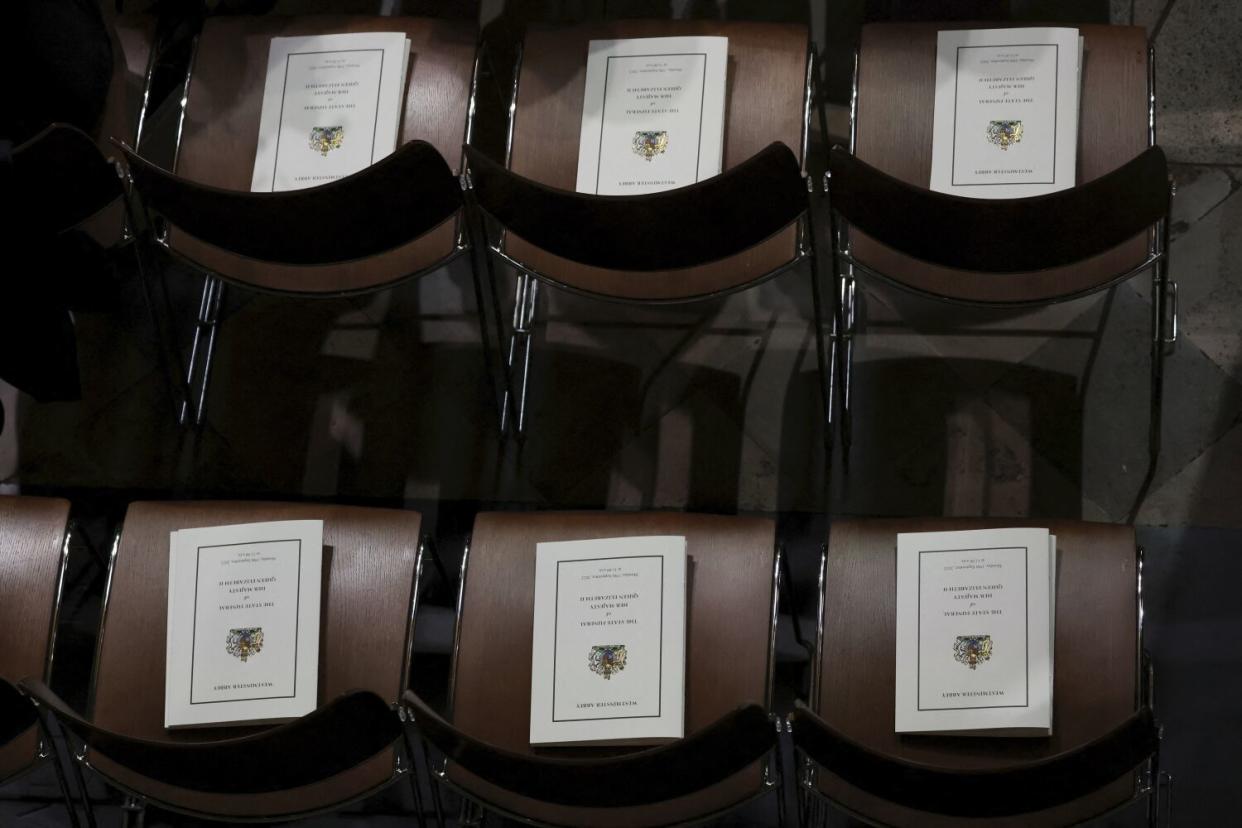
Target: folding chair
(1104, 749)
(349, 748)
(34, 550)
(722, 235)
(397, 220)
(729, 755)
(1000, 252)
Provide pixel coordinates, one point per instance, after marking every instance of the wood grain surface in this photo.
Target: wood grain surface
(764, 103)
(369, 556)
(727, 627)
(32, 538)
(896, 104)
(220, 137)
(1095, 673)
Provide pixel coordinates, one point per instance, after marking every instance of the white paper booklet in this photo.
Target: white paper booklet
(975, 631)
(652, 114)
(331, 107)
(243, 623)
(609, 656)
(1006, 116)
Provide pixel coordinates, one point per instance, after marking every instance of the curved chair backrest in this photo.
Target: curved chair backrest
(59, 179)
(729, 617)
(357, 726)
(223, 105)
(394, 201)
(767, 78)
(991, 792)
(705, 222)
(370, 559)
(686, 766)
(1001, 235)
(33, 552)
(1097, 652)
(892, 131)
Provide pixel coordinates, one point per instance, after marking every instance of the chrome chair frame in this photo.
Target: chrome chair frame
(844, 264)
(474, 809)
(1150, 781)
(526, 291)
(134, 802)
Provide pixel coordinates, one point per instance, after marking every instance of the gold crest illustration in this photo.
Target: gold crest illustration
(245, 642)
(1004, 133)
(650, 143)
(325, 139)
(606, 659)
(972, 650)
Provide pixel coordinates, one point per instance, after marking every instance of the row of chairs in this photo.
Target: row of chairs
(371, 730)
(407, 215)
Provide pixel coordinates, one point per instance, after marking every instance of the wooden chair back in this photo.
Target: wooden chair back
(219, 137)
(728, 645)
(370, 558)
(33, 552)
(893, 124)
(1096, 672)
(765, 103)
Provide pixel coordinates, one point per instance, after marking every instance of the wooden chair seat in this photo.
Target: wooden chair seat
(896, 103)
(767, 76)
(218, 142)
(33, 551)
(369, 560)
(1096, 672)
(728, 647)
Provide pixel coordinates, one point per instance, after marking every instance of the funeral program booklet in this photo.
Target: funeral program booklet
(331, 107)
(652, 114)
(609, 655)
(1006, 113)
(243, 623)
(975, 613)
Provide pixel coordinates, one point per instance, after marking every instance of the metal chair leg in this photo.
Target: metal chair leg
(87, 807)
(54, 757)
(526, 296)
(476, 228)
(166, 347)
(412, 777)
(471, 814)
(191, 370)
(826, 374)
(133, 813)
(213, 325)
(432, 784)
(778, 758)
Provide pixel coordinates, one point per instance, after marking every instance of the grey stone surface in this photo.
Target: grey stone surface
(1100, 437)
(1199, 82)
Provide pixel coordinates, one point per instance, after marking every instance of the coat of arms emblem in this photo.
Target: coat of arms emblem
(972, 650)
(325, 139)
(1004, 133)
(650, 143)
(245, 642)
(606, 659)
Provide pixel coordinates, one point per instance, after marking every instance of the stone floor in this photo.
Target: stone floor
(715, 407)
